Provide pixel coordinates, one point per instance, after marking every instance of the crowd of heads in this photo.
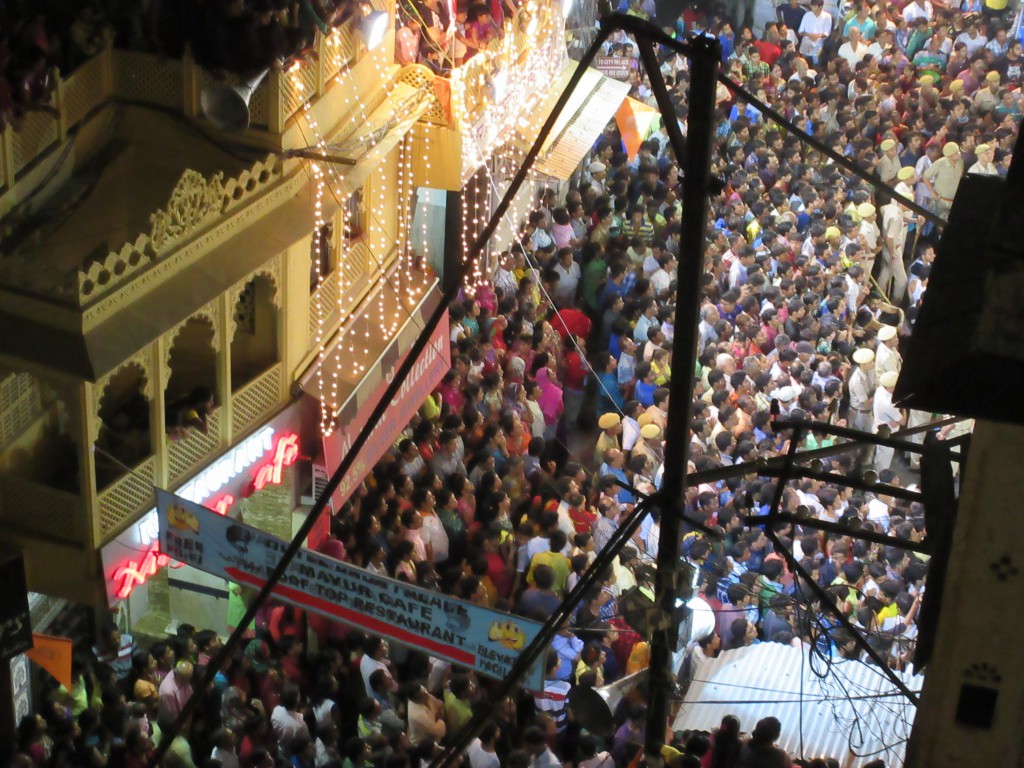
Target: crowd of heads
(550, 426)
(245, 37)
(36, 37)
(240, 37)
(442, 36)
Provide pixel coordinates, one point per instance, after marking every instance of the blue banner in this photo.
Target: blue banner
(465, 634)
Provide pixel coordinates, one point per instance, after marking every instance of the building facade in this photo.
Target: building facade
(195, 310)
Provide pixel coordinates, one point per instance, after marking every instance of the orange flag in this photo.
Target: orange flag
(54, 655)
(634, 119)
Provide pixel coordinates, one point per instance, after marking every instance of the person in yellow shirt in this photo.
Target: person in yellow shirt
(661, 365)
(887, 592)
(554, 558)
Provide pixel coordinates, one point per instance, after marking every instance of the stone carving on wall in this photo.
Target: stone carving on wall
(193, 201)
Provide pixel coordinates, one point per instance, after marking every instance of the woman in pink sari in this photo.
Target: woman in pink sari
(550, 400)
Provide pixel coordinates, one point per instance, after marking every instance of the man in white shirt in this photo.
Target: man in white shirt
(540, 753)
(815, 27)
(286, 720)
(918, 9)
(885, 413)
(481, 750)
(568, 278)
(661, 278)
(854, 49)
(375, 656)
(973, 39)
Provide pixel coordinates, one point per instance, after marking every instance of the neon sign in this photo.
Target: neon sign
(137, 572)
(285, 454)
(201, 489)
(221, 505)
(229, 466)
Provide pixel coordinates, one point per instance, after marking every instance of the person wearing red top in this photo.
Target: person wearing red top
(768, 47)
(498, 570)
(571, 321)
(257, 737)
(574, 377)
(292, 649)
(285, 621)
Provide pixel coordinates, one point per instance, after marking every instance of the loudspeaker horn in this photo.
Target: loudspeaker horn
(591, 711)
(227, 106)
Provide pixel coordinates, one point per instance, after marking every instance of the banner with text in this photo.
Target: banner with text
(460, 632)
(433, 363)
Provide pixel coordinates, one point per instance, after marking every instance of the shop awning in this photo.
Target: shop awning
(592, 105)
(853, 713)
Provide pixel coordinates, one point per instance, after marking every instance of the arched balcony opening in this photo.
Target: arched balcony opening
(254, 345)
(192, 361)
(124, 436)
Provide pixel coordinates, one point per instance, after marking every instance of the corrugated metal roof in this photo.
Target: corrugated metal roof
(852, 710)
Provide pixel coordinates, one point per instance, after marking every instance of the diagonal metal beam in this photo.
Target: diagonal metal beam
(826, 601)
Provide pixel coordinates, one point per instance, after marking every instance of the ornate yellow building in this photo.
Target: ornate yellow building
(148, 261)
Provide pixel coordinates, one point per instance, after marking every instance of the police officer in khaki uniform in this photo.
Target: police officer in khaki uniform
(985, 166)
(987, 97)
(887, 356)
(862, 389)
(889, 164)
(895, 225)
(943, 177)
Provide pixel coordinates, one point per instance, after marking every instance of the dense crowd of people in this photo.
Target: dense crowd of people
(35, 37)
(241, 37)
(551, 424)
(440, 36)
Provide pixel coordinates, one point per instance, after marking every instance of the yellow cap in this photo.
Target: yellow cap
(832, 232)
(926, 80)
(956, 85)
(650, 431)
(609, 421)
(906, 173)
(887, 145)
(992, 77)
(982, 149)
(950, 148)
(865, 210)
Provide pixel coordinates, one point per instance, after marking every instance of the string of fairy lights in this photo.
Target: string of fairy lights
(492, 96)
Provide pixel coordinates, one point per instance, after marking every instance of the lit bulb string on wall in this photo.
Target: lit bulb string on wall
(413, 291)
(377, 229)
(329, 401)
(361, 356)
